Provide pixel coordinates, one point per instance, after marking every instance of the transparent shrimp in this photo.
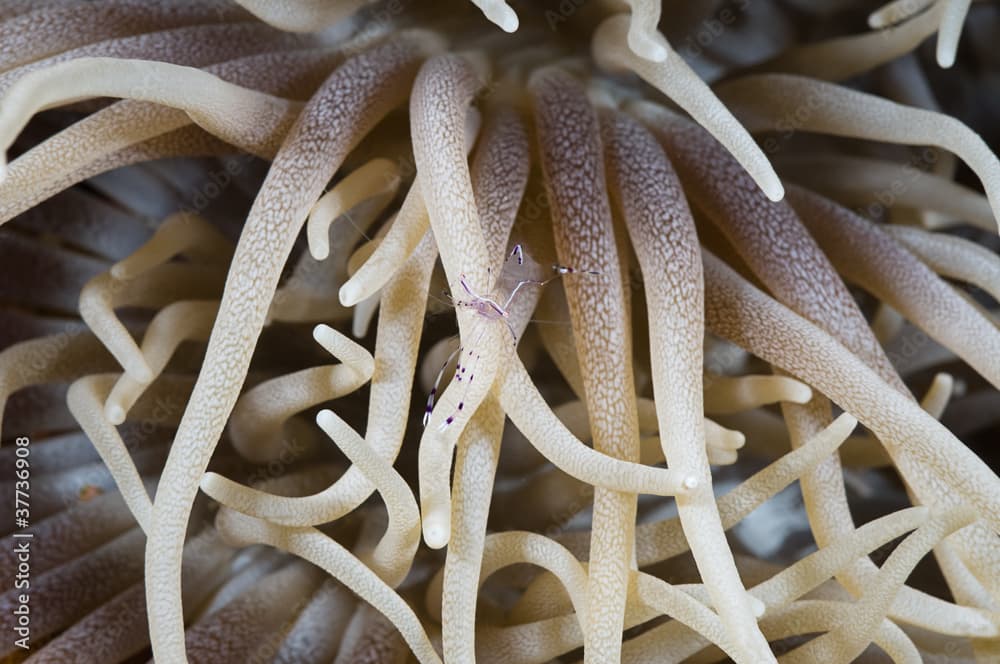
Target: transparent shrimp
(491, 307)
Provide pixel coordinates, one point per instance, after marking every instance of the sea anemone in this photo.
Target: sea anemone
(695, 255)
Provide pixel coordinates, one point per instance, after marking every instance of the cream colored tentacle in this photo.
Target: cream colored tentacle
(154, 288)
(393, 555)
(572, 162)
(896, 11)
(879, 264)
(188, 320)
(841, 58)
(675, 79)
(869, 257)
(499, 12)
(181, 233)
(399, 243)
(250, 119)
(53, 358)
(738, 311)
(666, 243)
(817, 299)
(643, 37)
(255, 425)
(953, 257)
(348, 105)
(192, 46)
(876, 184)
(130, 130)
(302, 15)
(189, 141)
(768, 236)
(403, 306)
(324, 552)
(442, 93)
(499, 174)
(85, 399)
(731, 394)
(761, 103)
(528, 411)
(377, 178)
(850, 637)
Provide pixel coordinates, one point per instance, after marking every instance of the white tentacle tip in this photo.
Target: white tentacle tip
(115, 413)
(212, 484)
(877, 20)
(350, 294)
(649, 46)
(317, 237)
(845, 423)
(324, 335)
(800, 393)
(505, 17)
(326, 419)
(945, 57)
(773, 189)
(437, 531)
(319, 252)
(139, 371)
(690, 483)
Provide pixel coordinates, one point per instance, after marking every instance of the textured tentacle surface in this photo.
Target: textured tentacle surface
(645, 407)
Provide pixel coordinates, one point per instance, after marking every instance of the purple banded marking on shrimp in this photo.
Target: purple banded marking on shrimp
(437, 382)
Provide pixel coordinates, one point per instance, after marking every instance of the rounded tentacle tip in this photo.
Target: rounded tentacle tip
(326, 419)
(505, 17)
(944, 381)
(139, 371)
(772, 188)
(115, 413)
(319, 250)
(349, 294)
(800, 393)
(690, 483)
(649, 46)
(846, 421)
(437, 531)
(324, 335)
(945, 56)
(737, 440)
(212, 484)
(877, 21)
(120, 271)
(317, 235)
